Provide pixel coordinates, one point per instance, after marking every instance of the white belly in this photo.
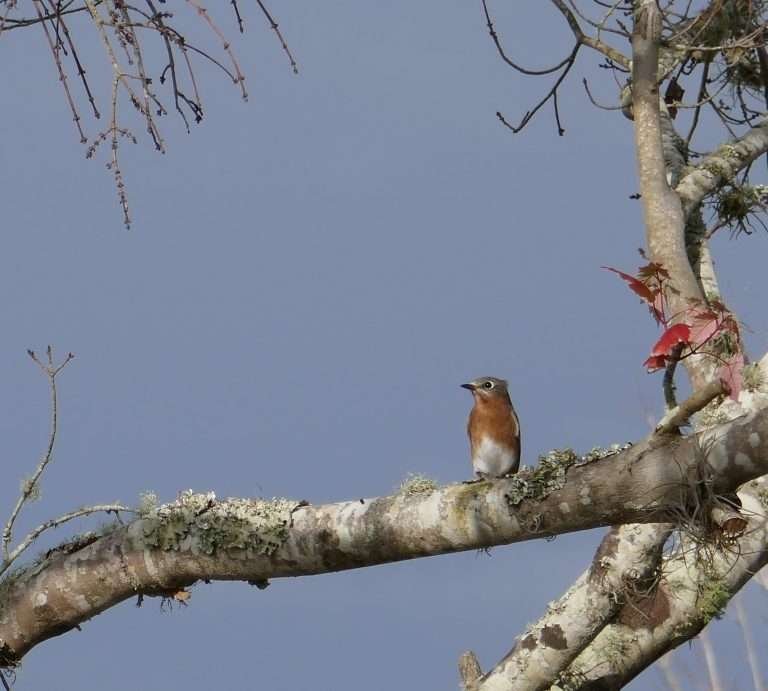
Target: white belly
(493, 459)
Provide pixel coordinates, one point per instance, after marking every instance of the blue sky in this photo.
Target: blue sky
(309, 278)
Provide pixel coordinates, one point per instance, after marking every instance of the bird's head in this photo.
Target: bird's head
(486, 388)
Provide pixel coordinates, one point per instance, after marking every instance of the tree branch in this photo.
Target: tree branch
(627, 556)
(30, 486)
(680, 414)
(694, 589)
(198, 537)
(596, 44)
(55, 523)
(663, 212)
(721, 166)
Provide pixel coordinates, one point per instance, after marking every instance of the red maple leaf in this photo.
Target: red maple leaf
(652, 297)
(637, 286)
(704, 325)
(673, 336)
(655, 362)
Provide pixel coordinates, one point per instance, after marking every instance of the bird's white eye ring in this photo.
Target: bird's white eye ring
(488, 385)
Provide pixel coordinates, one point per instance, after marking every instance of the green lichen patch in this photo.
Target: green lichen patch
(548, 476)
(416, 483)
(599, 452)
(712, 415)
(550, 473)
(202, 524)
(753, 377)
(7, 582)
(570, 679)
(762, 495)
(148, 502)
(615, 649)
(712, 598)
(30, 489)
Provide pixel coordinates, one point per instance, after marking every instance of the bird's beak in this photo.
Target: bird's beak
(471, 387)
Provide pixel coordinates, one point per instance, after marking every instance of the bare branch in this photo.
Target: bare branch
(62, 73)
(198, 537)
(722, 165)
(693, 590)
(679, 415)
(469, 671)
(663, 212)
(274, 26)
(505, 57)
(31, 485)
(565, 65)
(55, 523)
(594, 43)
(551, 94)
(627, 557)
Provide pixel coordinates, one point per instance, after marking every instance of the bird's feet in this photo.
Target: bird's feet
(480, 477)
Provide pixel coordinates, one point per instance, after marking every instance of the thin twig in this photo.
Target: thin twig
(274, 27)
(31, 485)
(62, 73)
(55, 523)
(551, 94)
(505, 57)
(594, 101)
(700, 98)
(239, 77)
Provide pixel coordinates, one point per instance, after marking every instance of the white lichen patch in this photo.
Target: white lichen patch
(754, 440)
(564, 507)
(202, 524)
(584, 498)
(41, 599)
(417, 483)
(743, 461)
(81, 602)
(718, 458)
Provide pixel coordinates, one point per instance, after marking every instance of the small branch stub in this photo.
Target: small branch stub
(469, 671)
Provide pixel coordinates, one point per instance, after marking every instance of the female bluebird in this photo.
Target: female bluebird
(493, 428)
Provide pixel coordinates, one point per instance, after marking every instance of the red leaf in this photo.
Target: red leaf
(637, 286)
(657, 308)
(731, 375)
(679, 333)
(655, 362)
(705, 326)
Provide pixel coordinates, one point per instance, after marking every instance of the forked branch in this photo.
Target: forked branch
(31, 486)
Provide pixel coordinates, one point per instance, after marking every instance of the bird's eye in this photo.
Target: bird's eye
(488, 385)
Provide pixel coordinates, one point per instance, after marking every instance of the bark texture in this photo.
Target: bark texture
(198, 537)
(626, 558)
(696, 586)
(721, 166)
(664, 218)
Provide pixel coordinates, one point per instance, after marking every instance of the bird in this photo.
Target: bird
(493, 428)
